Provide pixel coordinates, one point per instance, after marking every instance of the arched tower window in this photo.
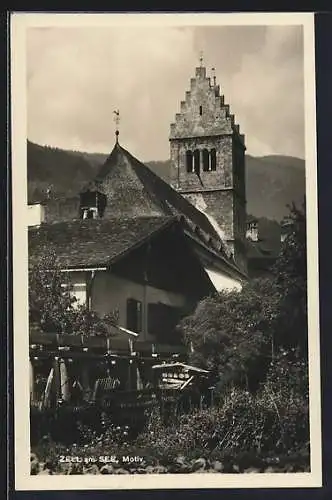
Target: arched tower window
(213, 160)
(189, 161)
(197, 166)
(201, 110)
(205, 160)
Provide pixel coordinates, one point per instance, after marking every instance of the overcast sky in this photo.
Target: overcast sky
(78, 76)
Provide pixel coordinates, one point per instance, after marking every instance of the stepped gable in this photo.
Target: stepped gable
(133, 190)
(218, 120)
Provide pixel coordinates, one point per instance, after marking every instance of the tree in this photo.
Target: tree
(290, 283)
(237, 334)
(228, 334)
(52, 304)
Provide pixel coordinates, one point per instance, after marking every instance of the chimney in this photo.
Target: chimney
(252, 231)
(286, 228)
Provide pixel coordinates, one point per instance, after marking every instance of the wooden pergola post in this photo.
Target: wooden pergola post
(57, 380)
(64, 381)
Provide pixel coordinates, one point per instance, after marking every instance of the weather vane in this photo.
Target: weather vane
(214, 76)
(117, 122)
(201, 58)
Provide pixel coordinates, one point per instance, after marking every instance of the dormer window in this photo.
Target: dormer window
(93, 204)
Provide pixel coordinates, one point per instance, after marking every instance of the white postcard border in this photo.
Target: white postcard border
(20, 22)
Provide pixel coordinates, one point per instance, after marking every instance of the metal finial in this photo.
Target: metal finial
(117, 122)
(201, 58)
(214, 76)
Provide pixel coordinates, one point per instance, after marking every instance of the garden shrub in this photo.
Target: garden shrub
(244, 432)
(275, 419)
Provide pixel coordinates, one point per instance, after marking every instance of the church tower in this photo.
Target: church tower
(208, 161)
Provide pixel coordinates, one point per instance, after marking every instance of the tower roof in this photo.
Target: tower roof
(133, 190)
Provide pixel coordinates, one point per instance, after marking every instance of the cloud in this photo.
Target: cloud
(77, 76)
(261, 75)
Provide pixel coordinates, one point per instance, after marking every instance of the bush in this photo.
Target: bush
(243, 432)
(274, 420)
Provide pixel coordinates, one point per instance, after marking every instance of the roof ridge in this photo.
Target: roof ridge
(170, 190)
(103, 169)
(160, 193)
(157, 218)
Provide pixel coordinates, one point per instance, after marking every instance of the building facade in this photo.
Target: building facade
(150, 251)
(207, 153)
(126, 188)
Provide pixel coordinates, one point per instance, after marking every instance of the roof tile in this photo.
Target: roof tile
(92, 242)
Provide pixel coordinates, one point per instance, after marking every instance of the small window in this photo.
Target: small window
(201, 110)
(205, 160)
(189, 161)
(213, 160)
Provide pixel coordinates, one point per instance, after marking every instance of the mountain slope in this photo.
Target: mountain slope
(61, 171)
(272, 182)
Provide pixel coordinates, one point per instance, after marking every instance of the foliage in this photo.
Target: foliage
(274, 419)
(53, 305)
(263, 432)
(110, 435)
(236, 334)
(226, 332)
(84, 462)
(290, 283)
(286, 389)
(255, 338)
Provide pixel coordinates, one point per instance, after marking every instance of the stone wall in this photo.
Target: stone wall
(205, 123)
(59, 210)
(221, 177)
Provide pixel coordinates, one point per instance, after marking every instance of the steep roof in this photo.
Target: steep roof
(92, 243)
(134, 190)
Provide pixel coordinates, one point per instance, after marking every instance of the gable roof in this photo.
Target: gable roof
(93, 242)
(135, 192)
(133, 189)
(99, 244)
